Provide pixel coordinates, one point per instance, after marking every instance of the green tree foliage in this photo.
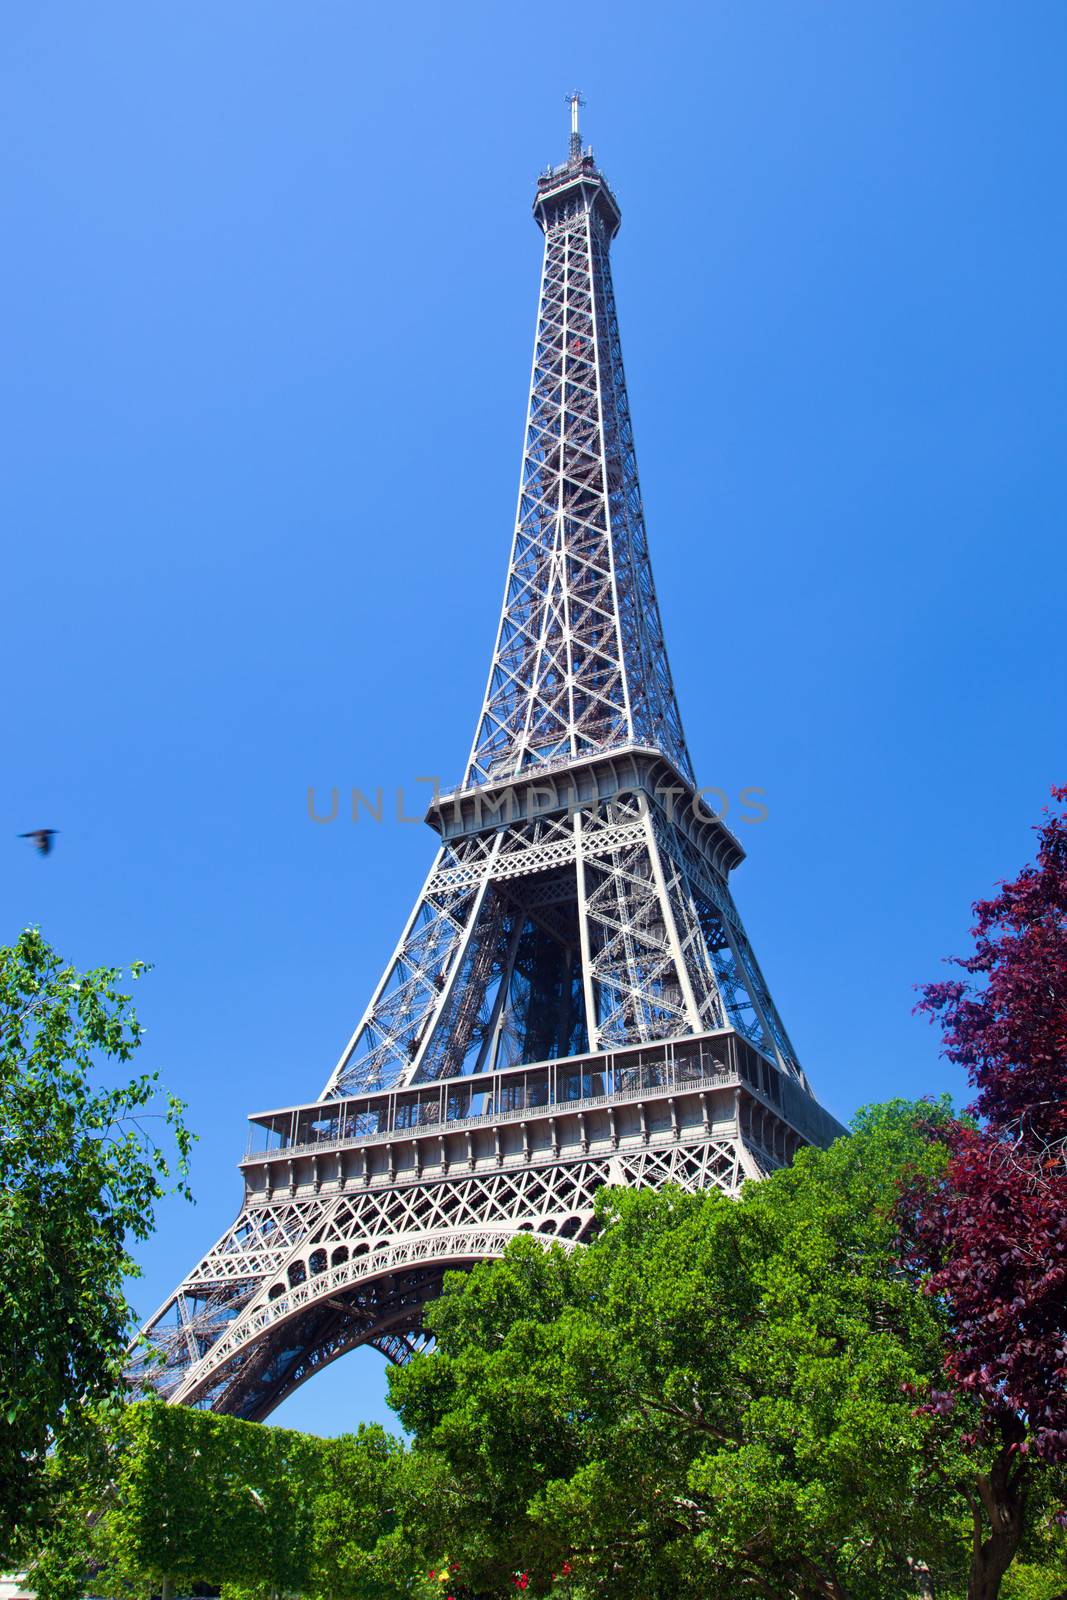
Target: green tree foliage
(57, 1545)
(1043, 1574)
(717, 1398)
(360, 1549)
(80, 1174)
(202, 1498)
(196, 1498)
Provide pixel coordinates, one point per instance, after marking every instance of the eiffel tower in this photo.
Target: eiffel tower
(574, 1000)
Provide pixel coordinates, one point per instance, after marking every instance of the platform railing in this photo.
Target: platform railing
(714, 1061)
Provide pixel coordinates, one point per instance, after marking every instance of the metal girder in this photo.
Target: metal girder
(575, 957)
(580, 664)
(255, 1318)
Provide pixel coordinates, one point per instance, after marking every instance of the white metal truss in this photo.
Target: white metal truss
(450, 1224)
(654, 930)
(353, 1215)
(347, 1258)
(573, 1000)
(580, 664)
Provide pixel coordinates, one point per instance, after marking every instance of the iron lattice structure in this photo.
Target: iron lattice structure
(574, 1000)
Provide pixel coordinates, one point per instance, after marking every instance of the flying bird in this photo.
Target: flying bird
(42, 838)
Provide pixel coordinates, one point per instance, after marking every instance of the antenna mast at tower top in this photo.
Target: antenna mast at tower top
(574, 101)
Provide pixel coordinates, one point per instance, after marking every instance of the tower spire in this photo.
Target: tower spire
(580, 665)
(574, 100)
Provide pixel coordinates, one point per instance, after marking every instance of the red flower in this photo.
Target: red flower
(566, 1569)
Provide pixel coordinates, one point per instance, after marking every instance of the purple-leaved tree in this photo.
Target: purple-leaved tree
(990, 1241)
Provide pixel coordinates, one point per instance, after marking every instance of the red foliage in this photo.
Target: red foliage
(993, 1237)
(1011, 1033)
(994, 1241)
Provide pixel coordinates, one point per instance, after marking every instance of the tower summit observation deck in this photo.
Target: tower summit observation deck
(573, 1000)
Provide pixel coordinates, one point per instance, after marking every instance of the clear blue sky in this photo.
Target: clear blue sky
(269, 281)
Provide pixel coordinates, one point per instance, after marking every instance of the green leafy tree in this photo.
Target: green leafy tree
(80, 1174)
(1042, 1572)
(716, 1398)
(189, 1497)
(360, 1549)
(201, 1498)
(57, 1548)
